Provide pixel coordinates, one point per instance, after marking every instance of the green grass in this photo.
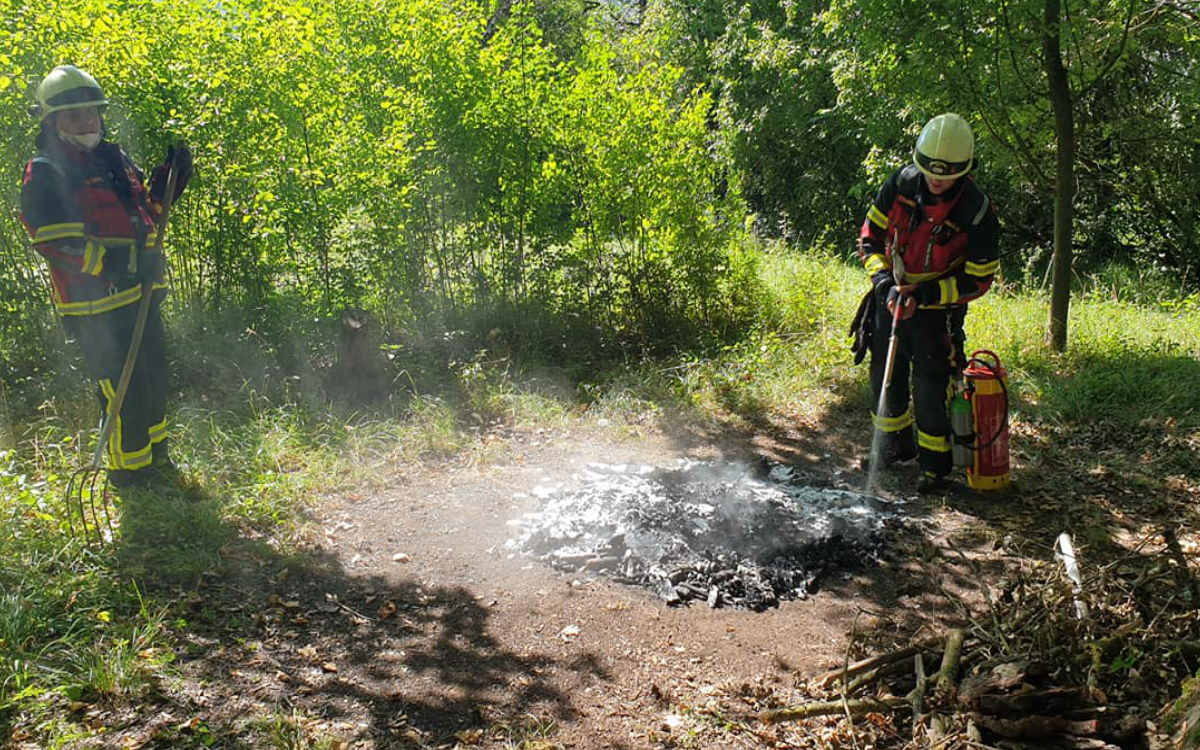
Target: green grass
(1125, 364)
(261, 446)
(292, 731)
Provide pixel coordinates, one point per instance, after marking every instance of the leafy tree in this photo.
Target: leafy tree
(432, 159)
(794, 154)
(1022, 70)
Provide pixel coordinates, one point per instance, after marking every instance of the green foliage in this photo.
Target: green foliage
(794, 153)
(1126, 367)
(392, 157)
(68, 628)
(1132, 78)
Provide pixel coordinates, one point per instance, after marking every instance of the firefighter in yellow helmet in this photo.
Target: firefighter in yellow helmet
(930, 244)
(92, 216)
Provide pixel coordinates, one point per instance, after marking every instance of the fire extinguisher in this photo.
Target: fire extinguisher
(979, 421)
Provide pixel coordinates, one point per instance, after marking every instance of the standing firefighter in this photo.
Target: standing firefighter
(90, 215)
(930, 243)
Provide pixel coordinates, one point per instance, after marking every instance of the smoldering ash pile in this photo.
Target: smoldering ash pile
(728, 534)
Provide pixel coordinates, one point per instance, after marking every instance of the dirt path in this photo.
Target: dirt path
(408, 625)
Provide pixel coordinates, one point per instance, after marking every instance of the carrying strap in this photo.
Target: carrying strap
(111, 157)
(60, 181)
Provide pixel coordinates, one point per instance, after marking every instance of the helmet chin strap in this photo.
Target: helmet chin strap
(85, 141)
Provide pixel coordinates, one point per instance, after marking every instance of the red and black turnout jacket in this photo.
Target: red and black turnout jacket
(89, 214)
(947, 244)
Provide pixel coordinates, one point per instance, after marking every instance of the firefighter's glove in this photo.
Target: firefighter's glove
(862, 328)
(927, 293)
(150, 267)
(883, 282)
(182, 156)
(908, 303)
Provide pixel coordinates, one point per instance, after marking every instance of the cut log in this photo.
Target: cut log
(359, 373)
(1046, 702)
(1036, 727)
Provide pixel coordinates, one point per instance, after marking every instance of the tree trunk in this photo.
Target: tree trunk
(496, 20)
(1064, 178)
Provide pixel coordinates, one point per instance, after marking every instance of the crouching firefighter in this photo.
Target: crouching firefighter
(91, 216)
(930, 244)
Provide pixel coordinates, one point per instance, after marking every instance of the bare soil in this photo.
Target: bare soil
(407, 624)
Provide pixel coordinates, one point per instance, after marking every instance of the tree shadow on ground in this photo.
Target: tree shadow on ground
(268, 643)
(413, 664)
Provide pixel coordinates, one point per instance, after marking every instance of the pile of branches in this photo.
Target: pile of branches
(1061, 657)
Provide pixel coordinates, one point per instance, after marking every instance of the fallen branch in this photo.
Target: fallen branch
(1036, 727)
(867, 678)
(945, 683)
(855, 707)
(865, 665)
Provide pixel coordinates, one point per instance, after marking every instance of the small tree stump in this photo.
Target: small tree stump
(358, 374)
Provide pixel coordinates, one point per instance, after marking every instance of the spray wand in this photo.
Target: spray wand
(898, 274)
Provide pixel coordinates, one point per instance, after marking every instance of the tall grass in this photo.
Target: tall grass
(1126, 364)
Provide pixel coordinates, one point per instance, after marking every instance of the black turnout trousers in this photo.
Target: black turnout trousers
(929, 351)
(105, 339)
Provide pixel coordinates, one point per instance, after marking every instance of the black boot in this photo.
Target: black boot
(899, 447)
(165, 472)
(161, 460)
(159, 455)
(128, 477)
(931, 483)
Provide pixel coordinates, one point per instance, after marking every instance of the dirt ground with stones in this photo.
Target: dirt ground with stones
(406, 624)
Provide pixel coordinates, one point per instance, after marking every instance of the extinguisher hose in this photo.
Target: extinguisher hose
(1004, 390)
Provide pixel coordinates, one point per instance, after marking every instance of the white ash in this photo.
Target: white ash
(727, 533)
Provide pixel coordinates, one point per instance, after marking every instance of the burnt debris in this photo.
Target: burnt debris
(726, 534)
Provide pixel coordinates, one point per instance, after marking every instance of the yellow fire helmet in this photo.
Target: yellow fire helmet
(945, 148)
(67, 87)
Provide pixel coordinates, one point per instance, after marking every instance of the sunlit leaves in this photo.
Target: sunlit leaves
(387, 152)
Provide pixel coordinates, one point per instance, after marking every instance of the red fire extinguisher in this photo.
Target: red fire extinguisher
(981, 445)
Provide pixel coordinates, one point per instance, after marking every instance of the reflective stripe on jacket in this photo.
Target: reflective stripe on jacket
(89, 215)
(949, 244)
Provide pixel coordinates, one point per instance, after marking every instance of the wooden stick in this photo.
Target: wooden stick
(916, 696)
(855, 707)
(880, 672)
(865, 665)
(945, 683)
